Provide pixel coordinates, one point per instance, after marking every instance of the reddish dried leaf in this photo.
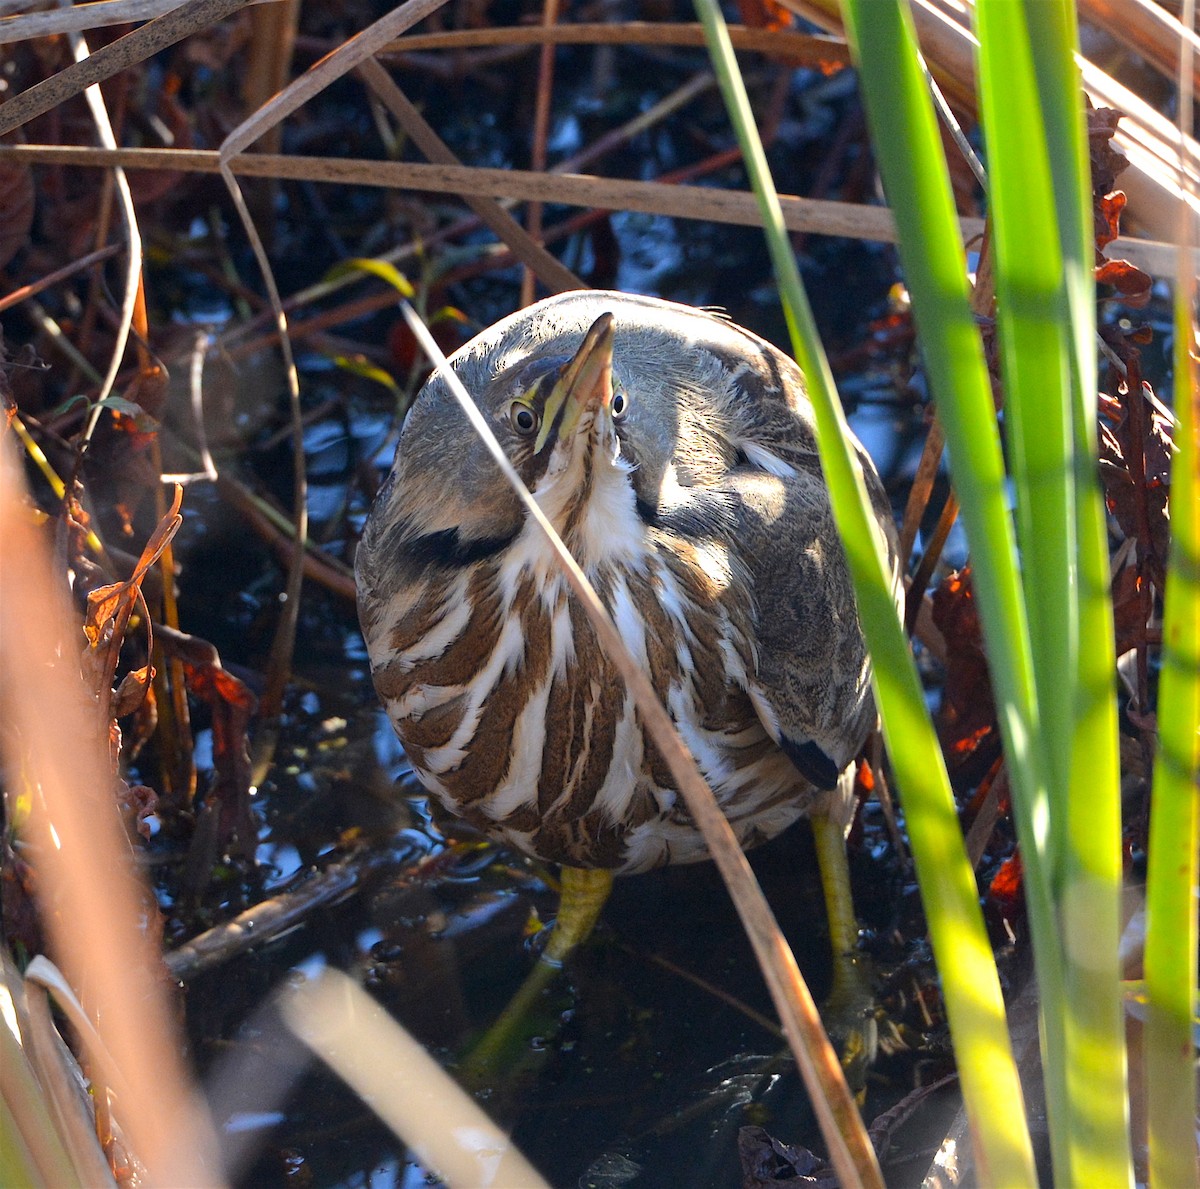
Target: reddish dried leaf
(1005, 888)
(215, 684)
(1135, 474)
(764, 14)
(1107, 163)
(148, 392)
(1130, 608)
(16, 208)
(1131, 283)
(864, 780)
(103, 606)
(233, 705)
(1107, 217)
(1159, 448)
(131, 692)
(967, 719)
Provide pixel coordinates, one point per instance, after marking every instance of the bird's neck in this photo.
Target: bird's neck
(593, 509)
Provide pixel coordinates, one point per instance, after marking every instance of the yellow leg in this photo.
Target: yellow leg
(584, 894)
(849, 1010)
(581, 900)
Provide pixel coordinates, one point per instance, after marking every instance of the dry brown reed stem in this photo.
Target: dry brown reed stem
(1149, 29)
(541, 134)
(329, 69)
(933, 552)
(311, 83)
(158, 34)
(269, 918)
(303, 330)
(79, 19)
(855, 221)
(43, 1086)
(310, 330)
(922, 488)
(546, 265)
(272, 42)
(983, 294)
(90, 898)
(800, 49)
(317, 565)
(1151, 142)
(133, 236)
(443, 1125)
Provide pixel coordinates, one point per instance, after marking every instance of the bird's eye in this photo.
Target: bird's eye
(620, 404)
(523, 418)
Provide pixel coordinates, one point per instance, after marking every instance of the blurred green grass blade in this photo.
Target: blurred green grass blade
(1093, 870)
(1054, 35)
(908, 149)
(1040, 202)
(974, 1001)
(1171, 931)
(32, 1149)
(1035, 356)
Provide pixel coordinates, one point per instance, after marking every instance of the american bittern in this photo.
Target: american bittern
(675, 454)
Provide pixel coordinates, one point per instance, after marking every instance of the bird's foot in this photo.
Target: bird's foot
(850, 1017)
(505, 1045)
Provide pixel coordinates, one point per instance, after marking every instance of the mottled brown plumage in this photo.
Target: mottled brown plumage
(691, 493)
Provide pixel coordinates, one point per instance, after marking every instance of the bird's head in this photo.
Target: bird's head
(611, 408)
(559, 412)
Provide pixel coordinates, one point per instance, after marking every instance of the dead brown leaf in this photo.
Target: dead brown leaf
(16, 208)
(967, 720)
(1132, 285)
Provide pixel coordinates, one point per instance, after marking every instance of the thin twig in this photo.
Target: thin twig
(922, 488)
(269, 918)
(81, 17)
(800, 49)
(59, 274)
(133, 268)
(541, 132)
(640, 123)
(280, 535)
(555, 276)
(328, 70)
(929, 560)
(279, 661)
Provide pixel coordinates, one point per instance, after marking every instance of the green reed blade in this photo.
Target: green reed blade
(1033, 332)
(974, 1002)
(1171, 929)
(1040, 200)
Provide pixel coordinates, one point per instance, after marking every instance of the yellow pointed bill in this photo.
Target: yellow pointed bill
(585, 382)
